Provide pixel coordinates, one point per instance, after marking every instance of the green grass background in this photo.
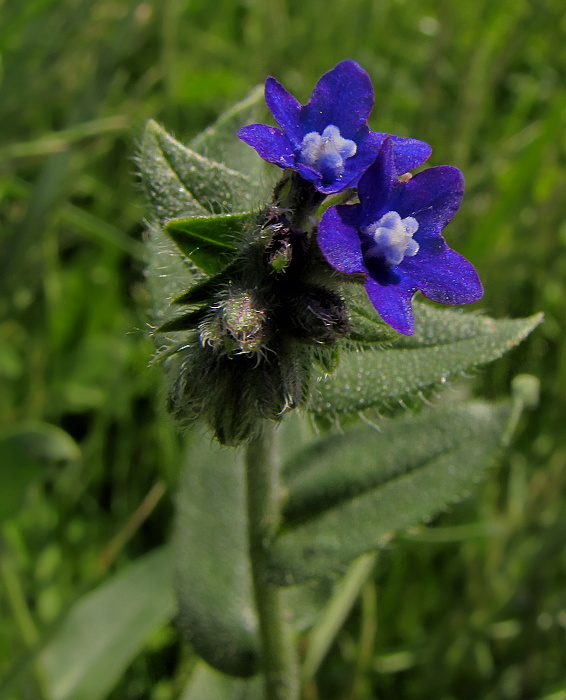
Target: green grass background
(475, 609)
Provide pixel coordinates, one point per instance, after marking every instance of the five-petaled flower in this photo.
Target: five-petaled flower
(328, 141)
(393, 237)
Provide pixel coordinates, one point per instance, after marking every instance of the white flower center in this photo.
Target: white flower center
(326, 152)
(392, 238)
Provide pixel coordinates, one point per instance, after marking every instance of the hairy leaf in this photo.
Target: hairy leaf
(348, 492)
(213, 579)
(445, 343)
(182, 183)
(210, 242)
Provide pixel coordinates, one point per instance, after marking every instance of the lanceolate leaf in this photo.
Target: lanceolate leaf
(168, 195)
(213, 578)
(351, 492)
(446, 343)
(179, 182)
(104, 631)
(210, 242)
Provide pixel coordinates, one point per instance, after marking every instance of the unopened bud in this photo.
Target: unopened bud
(234, 325)
(319, 315)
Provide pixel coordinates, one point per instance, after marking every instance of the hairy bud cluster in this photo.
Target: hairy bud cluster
(259, 328)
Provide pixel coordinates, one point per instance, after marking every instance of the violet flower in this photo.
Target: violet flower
(328, 141)
(393, 237)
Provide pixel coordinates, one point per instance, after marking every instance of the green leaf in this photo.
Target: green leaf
(445, 343)
(347, 493)
(164, 187)
(104, 630)
(220, 141)
(210, 242)
(25, 452)
(214, 585)
(179, 182)
(207, 684)
(213, 576)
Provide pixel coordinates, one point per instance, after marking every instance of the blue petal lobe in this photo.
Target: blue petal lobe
(409, 153)
(377, 184)
(393, 302)
(442, 274)
(432, 197)
(286, 110)
(270, 143)
(343, 97)
(338, 238)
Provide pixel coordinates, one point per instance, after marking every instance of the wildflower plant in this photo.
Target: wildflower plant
(286, 321)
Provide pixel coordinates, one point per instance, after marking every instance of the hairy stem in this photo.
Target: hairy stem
(279, 659)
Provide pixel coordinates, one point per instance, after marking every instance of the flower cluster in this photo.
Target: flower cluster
(392, 234)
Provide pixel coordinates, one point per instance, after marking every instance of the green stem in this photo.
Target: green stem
(279, 660)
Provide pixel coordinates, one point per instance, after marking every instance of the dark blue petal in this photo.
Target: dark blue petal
(409, 153)
(442, 274)
(270, 143)
(432, 197)
(343, 97)
(285, 109)
(393, 302)
(377, 185)
(338, 238)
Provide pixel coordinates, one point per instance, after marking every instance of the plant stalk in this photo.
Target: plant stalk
(279, 658)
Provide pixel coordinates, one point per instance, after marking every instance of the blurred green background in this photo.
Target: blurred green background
(472, 609)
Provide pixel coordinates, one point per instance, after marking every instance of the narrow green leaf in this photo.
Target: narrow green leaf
(25, 452)
(214, 586)
(445, 343)
(204, 290)
(349, 494)
(104, 631)
(207, 684)
(210, 242)
(180, 182)
(165, 190)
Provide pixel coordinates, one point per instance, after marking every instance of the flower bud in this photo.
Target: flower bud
(234, 325)
(318, 315)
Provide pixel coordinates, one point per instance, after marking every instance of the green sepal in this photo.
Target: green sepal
(203, 291)
(185, 322)
(445, 343)
(349, 492)
(209, 242)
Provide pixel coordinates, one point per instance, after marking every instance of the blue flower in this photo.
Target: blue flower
(393, 237)
(327, 141)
